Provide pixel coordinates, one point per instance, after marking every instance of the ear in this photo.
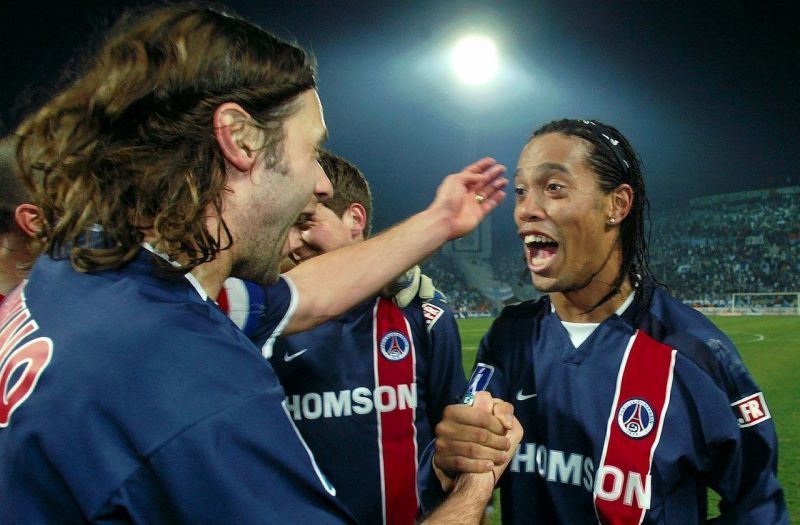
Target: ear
(29, 219)
(235, 135)
(358, 217)
(620, 202)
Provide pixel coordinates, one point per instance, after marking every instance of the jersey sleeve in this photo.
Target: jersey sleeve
(243, 302)
(261, 313)
(242, 465)
(446, 373)
(745, 467)
(758, 496)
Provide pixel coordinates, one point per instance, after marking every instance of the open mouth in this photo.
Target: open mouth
(541, 250)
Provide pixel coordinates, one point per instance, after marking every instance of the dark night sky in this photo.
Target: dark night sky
(709, 93)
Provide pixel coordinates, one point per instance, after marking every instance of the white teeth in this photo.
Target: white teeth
(537, 238)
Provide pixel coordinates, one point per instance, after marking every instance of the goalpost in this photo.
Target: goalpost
(761, 303)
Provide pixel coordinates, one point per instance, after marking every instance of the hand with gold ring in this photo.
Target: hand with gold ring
(466, 198)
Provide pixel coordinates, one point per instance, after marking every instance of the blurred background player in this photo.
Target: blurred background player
(366, 388)
(633, 403)
(180, 155)
(19, 220)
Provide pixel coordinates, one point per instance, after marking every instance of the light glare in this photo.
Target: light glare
(474, 59)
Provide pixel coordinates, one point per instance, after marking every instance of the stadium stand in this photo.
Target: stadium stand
(732, 243)
(464, 298)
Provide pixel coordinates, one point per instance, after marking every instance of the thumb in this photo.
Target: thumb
(504, 411)
(483, 400)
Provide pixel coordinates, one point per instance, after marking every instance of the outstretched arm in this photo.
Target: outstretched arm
(332, 283)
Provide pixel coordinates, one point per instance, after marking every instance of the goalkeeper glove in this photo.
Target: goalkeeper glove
(413, 283)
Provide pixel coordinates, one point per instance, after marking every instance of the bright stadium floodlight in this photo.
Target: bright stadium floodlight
(474, 59)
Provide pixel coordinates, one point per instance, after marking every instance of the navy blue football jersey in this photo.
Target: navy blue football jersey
(632, 426)
(366, 391)
(129, 397)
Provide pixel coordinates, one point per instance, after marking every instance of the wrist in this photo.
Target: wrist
(466, 503)
(447, 479)
(480, 485)
(435, 222)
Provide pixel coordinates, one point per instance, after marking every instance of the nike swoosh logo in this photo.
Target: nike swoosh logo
(525, 397)
(289, 357)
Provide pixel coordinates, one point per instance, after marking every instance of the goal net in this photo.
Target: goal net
(765, 303)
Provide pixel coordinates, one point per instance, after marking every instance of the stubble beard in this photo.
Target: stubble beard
(260, 248)
(257, 261)
(257, 249)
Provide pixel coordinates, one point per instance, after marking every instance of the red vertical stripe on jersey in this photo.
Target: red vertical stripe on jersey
(396, 429)
(622, 481)
(222, 300)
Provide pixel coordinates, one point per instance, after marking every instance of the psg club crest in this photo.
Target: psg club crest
(636, 418)
(394, 346)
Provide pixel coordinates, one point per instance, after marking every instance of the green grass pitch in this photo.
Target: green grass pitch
(770, 347)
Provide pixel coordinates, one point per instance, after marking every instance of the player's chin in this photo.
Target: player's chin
(255, 261)
(545, 284)
(268, 273)
(286, 264)
(268, 278)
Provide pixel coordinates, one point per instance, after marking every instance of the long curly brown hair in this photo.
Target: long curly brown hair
(129, 147)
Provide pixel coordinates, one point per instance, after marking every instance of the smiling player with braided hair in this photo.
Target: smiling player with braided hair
(633, 403)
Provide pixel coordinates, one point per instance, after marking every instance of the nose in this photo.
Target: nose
(528, 208)
(323, 190)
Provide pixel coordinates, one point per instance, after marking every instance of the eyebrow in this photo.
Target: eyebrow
(544, 166)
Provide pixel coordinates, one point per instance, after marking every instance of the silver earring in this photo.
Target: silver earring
(612, 220)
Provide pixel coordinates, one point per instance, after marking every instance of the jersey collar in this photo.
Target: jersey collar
(189, 277)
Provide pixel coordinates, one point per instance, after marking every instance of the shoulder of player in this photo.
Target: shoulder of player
(683, 327)
(509, 333)
(96, 302)
(699, 342)
(257, 419)
(528, 310)
(172, 318)
(430, 312)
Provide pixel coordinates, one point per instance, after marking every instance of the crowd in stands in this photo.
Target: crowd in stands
(511, 268)
(465, 300)
(713, 249)
(704, 252)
